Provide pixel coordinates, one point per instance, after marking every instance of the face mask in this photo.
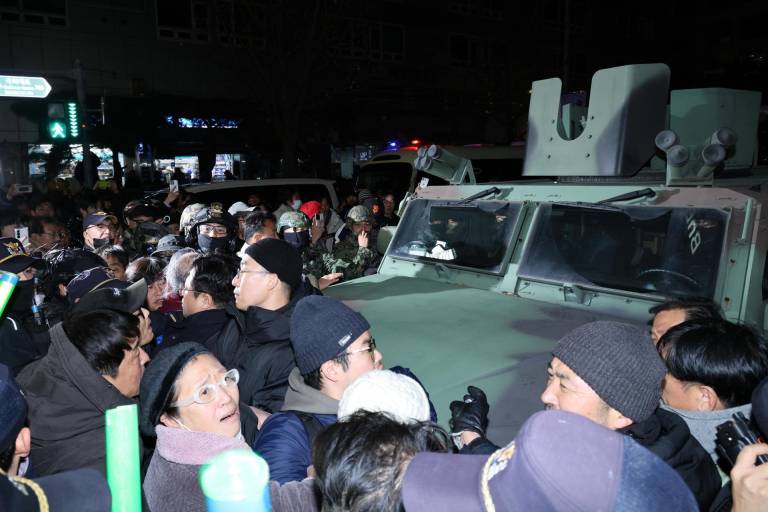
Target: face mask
(100, 242)
(296, 204)
(211, 244)
(298, 240)
(23, 295)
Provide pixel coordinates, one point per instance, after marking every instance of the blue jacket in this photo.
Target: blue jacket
(283, 441)
(284, 444)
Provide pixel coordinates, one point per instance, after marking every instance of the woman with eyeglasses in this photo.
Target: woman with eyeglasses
(190, 403)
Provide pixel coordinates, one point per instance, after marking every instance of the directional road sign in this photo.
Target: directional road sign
(24, 86)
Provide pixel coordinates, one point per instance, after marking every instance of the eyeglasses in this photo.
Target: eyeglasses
(370, 348)
(207, 393)
(246, 271)
(209, 229)
(184, 291)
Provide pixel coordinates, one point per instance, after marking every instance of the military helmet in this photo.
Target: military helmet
(295, 220)
(360, 213)
(214, 214)
(186, 216)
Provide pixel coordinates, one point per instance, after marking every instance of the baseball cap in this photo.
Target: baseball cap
(559, 461)
(92, 279)
(94, 219)
(169, 243)
(13, 257)
(127, 300)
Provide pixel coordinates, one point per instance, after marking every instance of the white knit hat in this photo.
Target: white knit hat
(385, 391)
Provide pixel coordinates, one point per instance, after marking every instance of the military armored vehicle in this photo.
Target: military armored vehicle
(655, 196)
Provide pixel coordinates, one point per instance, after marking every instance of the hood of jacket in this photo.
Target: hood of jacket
(64, 392)
(703, 424)
(301, 397)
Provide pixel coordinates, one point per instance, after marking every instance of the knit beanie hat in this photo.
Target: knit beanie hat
(321, 329)
(619, 362)
(385, 391)
(278, 257)
(157, 382)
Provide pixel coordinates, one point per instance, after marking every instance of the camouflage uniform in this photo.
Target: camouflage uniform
(347, 256)
(297, 220)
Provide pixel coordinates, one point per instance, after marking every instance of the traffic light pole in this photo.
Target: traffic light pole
(81, 100)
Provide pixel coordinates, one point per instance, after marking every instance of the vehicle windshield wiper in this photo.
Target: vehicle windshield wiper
(646, 192)
(480, 195)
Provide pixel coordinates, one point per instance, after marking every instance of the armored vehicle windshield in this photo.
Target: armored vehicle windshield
(475, 235)
(665, 251)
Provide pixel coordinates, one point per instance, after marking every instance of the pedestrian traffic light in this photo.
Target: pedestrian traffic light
(63, 122)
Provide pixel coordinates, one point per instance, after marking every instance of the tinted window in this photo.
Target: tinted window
(474, 235)
(666, 251)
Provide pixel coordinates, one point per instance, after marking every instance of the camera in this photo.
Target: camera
(732, 436)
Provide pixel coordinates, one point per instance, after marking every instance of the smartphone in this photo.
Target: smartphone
(21, 233)
(24, 189)
(319, 218)
(174, 186)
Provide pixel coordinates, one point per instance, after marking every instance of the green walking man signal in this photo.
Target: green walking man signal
(63, 121)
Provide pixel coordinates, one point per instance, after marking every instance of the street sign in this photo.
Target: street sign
(24, 86)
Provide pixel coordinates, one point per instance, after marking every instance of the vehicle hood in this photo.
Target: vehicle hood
(452, 336)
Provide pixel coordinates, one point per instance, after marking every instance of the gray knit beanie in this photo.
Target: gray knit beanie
(619, 362)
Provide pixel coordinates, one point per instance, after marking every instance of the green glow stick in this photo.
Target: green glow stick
(123, 475)
(7, 285)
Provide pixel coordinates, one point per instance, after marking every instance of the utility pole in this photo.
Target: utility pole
(81, 100)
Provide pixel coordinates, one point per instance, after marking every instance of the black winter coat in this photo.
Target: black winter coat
(67, 400)
(203, 327)
(668, 437)
(258, 344)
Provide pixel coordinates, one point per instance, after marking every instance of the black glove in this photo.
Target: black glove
(471, 414)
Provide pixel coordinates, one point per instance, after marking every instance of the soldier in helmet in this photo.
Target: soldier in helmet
(294, 228)
(212, 230)
(351, 255)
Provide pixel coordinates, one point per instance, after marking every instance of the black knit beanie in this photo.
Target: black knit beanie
(157, 382)
(278, 257)
(321, 329)
(619, 362)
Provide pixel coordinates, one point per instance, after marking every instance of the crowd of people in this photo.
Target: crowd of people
(213, 322)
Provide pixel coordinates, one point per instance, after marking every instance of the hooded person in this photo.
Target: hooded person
(333, 347)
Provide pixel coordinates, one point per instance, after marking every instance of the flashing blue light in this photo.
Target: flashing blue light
(392, 144)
